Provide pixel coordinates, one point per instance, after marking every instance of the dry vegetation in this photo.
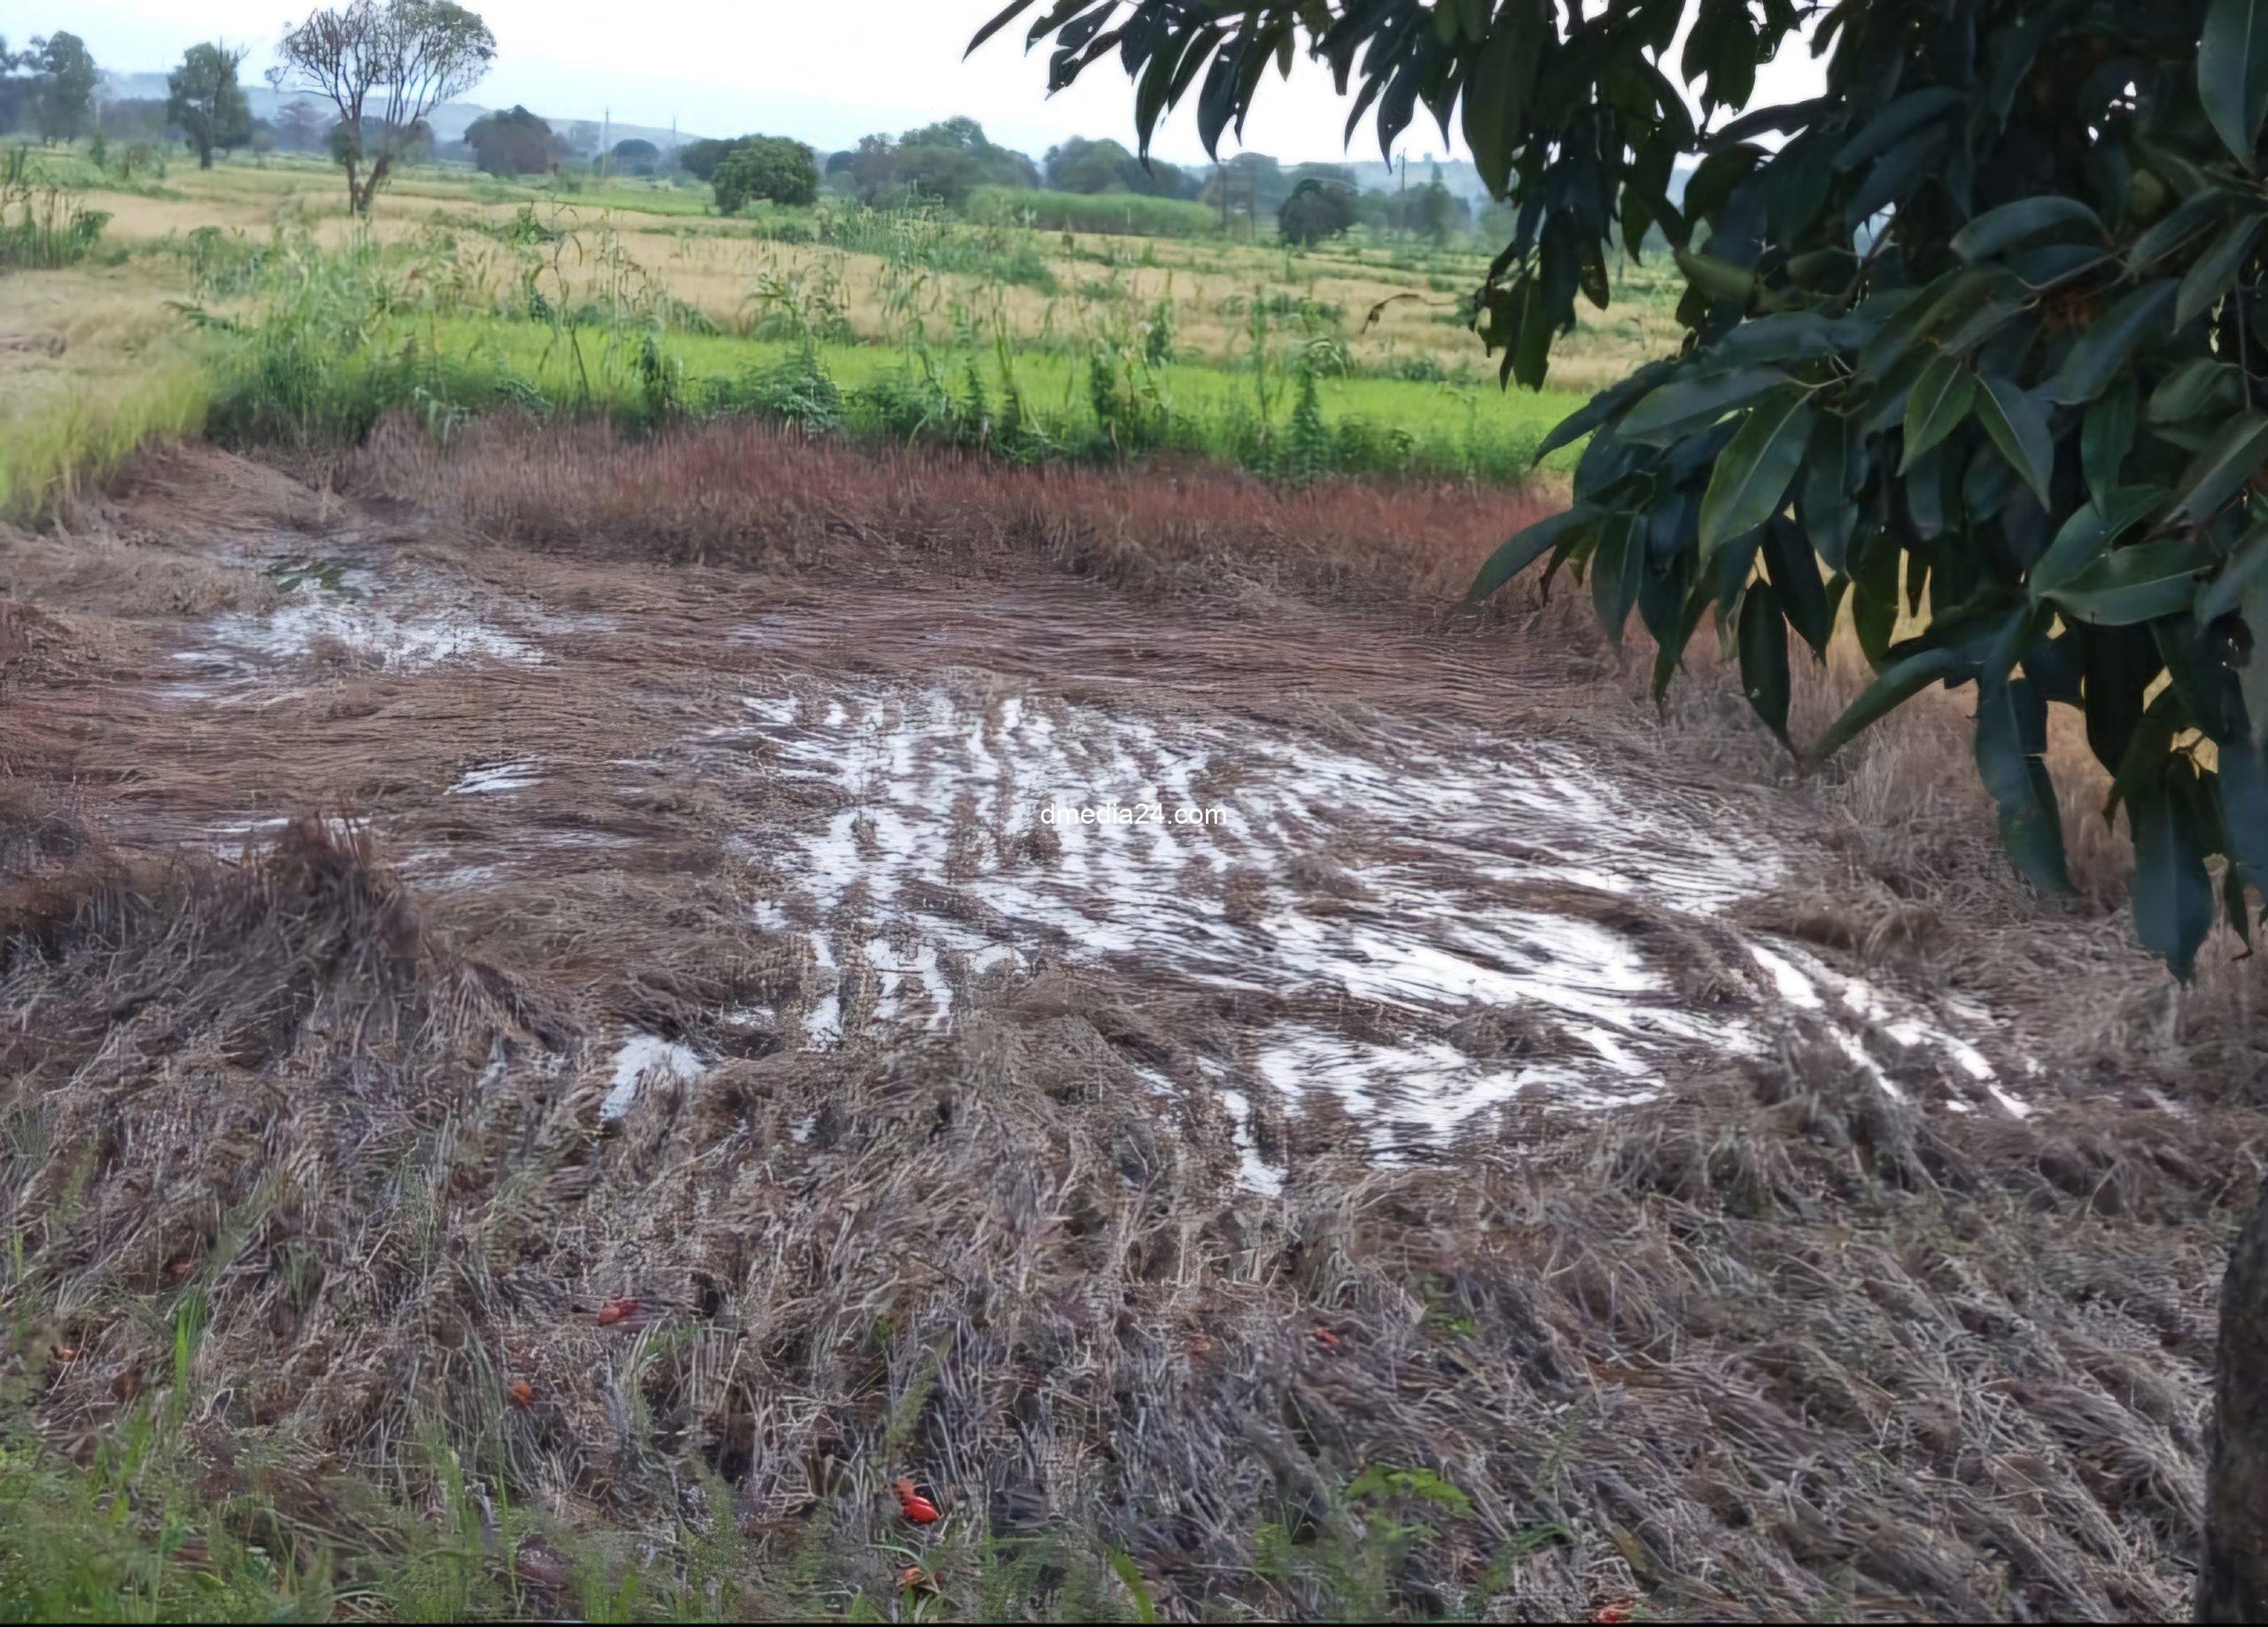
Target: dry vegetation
(314, 1215)
(716, 266)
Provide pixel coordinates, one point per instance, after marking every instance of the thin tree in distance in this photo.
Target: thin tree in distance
(204, 98)
(385, 66)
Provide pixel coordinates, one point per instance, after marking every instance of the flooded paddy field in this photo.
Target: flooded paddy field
(1138, 1053)
(924, 794)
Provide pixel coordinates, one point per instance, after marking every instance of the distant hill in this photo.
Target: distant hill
(450, 120)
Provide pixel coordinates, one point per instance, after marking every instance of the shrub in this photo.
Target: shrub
(769, 168)
(513, 142)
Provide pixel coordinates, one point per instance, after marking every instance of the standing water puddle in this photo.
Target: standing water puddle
(1422, 929)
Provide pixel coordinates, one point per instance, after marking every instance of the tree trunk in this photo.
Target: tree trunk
(2233, 1573)
(205, 157)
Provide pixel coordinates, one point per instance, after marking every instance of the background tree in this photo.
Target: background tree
(15, 88)
(205, 102)
(63, 86)
(700, 158)
(1974, 346)
(513, 142)
(135, 118)
(635, 156)
(1097, 166)
(1251, 184)
(1315, 211)
(414, 145)
(299, 126)
(384, 64)
(943, 162)
(768, 168)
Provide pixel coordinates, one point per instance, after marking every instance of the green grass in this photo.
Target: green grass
(1113, 212)
(146, 1531)
(312, 382)
(80, 437)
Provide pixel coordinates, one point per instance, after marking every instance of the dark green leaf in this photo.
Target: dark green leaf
(2011, 741)
(1764, 658)
(2173, 896)
(1925, 496)
(1530, 356)
(2215, 272)
(2187, 218)
(1751, 479)
(2198, 386)
(1716, 280)
(2233, 72)
(1794, 570)
(1886, 129)
(1528, 546)
(1824, 503)
(1899, 682)
(2103, 349)
(1669, 650)
(1939, 401)
(2135, 585)
(2018, 426)
(1496, 101)
(2089, 533)
(2142, 763)
(1602, 406)
(2252, 678)
(1874, 598)
(1617, 569)
(2242, 783)
(1006, 15)
(1696, 400)
(2019, 222)
(1789, 336)
(2219, 472)
(2106, 437)
(2248, 564)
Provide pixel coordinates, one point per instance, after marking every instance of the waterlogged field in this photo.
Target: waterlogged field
(715, 879)
(594, 894)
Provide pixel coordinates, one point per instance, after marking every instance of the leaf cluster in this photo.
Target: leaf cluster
(1975, 354)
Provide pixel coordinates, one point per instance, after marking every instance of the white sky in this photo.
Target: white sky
(824, 70)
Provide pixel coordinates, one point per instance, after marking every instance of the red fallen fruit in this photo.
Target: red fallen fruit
(616, 1311)
(523, 1394)
(1616, 1610)
(914, 1579)
(1327, 1339)
(915, 1507)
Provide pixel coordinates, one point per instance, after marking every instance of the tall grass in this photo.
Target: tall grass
(43, 225)
(1117, 213)
(340, 338)
(919, 237)
(80, 436)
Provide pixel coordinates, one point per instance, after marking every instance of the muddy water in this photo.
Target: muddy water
(1420, 918)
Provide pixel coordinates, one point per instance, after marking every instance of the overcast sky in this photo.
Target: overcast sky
(825, 71)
